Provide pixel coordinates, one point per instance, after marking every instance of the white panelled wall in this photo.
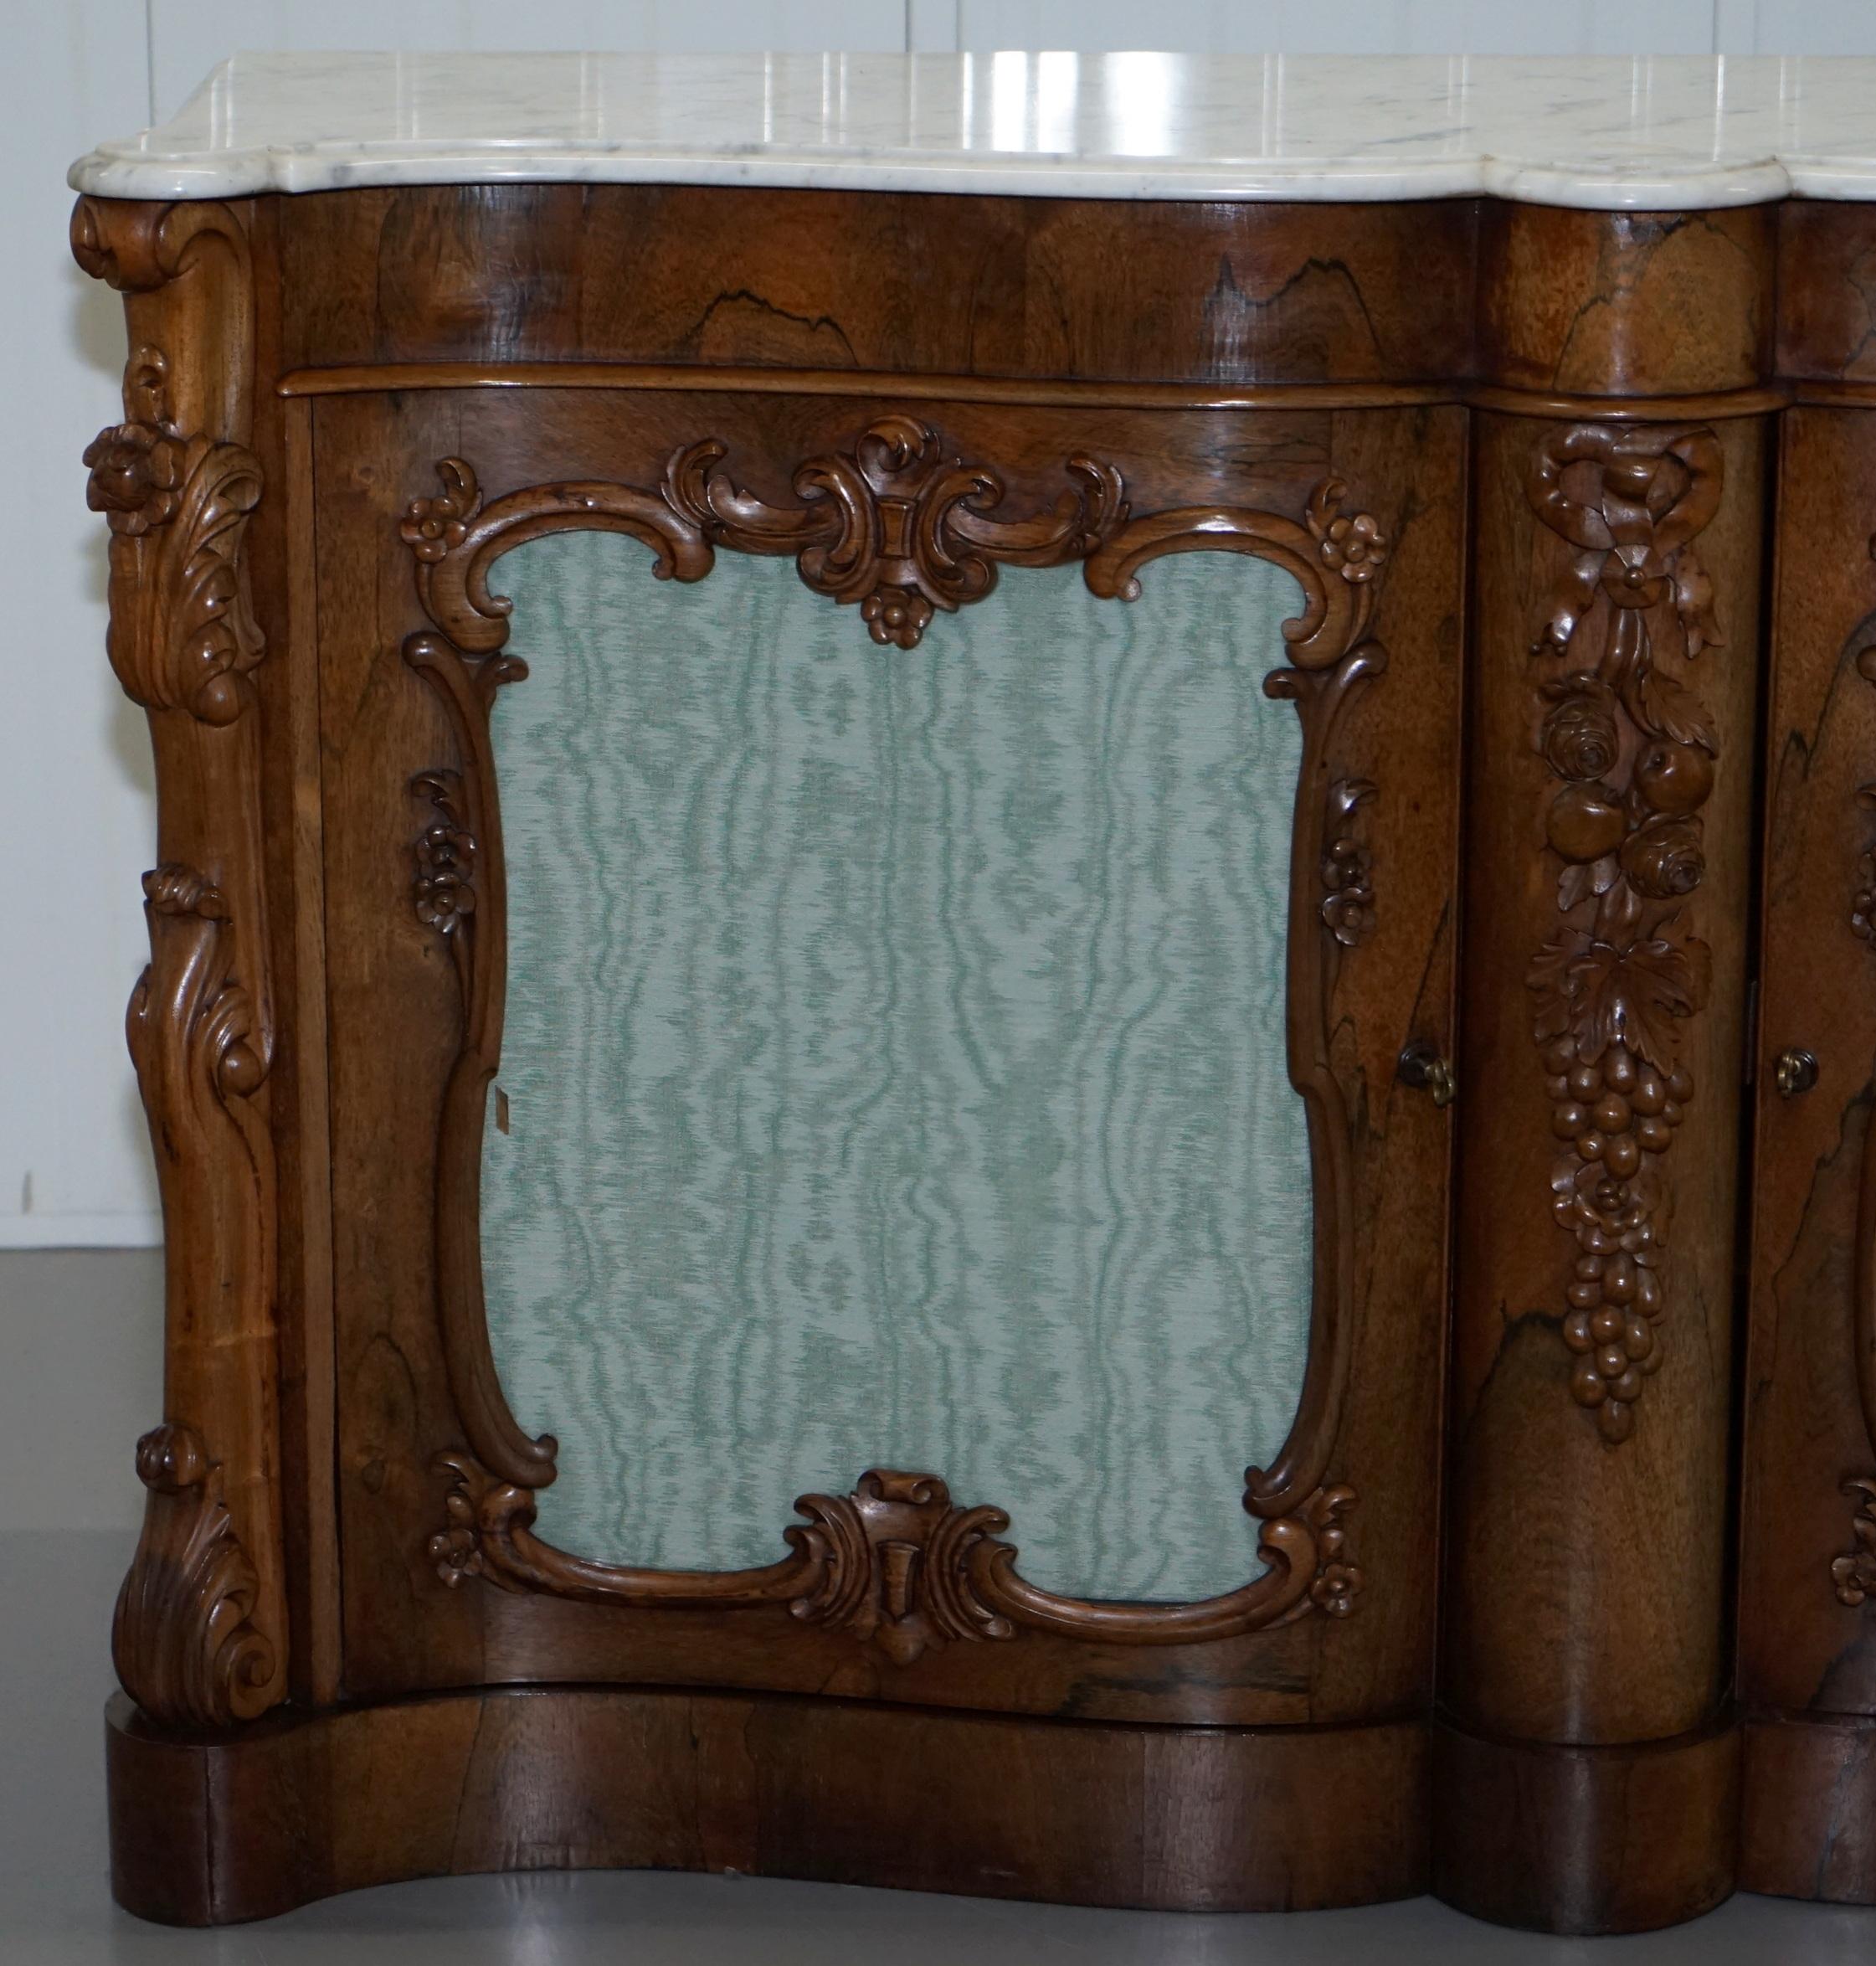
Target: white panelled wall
(75, 774)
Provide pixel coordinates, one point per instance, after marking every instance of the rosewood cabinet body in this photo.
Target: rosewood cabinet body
(1575, 523)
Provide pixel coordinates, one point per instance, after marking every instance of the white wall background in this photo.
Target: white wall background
(76, 821)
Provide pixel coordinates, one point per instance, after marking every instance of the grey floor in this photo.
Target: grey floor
(62, 1375)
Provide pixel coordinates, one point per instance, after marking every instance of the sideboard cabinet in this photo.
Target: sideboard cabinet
(1010, 968)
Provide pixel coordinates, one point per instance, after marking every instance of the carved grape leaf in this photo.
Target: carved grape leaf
(1580, 880)
(1602, 994)
(1634, 997)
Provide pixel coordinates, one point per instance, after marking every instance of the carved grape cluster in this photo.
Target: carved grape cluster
(1612, 1112)
(1633, 751)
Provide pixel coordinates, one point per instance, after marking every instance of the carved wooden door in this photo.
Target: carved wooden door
(1808, 1583)
(724, 1080)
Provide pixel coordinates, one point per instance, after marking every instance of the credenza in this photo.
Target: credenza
(1012, 992)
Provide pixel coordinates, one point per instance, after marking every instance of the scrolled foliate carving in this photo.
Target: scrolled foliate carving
(899, 525)
(1631, 751)
(182, 634)
(894, 1564)
(898, 1566)
(183, 1639)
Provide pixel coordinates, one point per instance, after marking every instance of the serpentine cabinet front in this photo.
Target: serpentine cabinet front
(813, 962)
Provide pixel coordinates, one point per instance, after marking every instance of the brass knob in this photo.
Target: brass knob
(1421, 1066)
(1795, 1071)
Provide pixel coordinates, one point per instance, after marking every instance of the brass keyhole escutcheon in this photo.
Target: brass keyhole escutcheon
(1795, 1071)
(1421, 1066)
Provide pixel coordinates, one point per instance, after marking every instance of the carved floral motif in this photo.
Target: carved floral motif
(1348, 866)
(444, 891)
(1633, 751)
(1854, 1572)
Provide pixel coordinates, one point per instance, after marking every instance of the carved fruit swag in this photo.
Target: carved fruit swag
(1632, 750)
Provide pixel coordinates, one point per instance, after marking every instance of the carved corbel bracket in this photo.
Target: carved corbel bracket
(183, 632)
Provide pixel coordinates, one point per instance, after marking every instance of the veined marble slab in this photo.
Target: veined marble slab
(1679, 132)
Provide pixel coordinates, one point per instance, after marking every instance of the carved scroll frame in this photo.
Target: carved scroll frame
(199, 1640)
(902, 528)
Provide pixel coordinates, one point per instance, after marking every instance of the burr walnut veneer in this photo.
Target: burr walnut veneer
(1576, 508)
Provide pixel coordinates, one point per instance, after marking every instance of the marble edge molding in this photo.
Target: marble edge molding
(127, 172)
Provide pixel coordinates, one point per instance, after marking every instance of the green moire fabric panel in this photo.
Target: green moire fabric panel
(895, 1060)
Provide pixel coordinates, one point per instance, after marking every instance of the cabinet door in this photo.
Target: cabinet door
(870, 944)
(1808, 1624)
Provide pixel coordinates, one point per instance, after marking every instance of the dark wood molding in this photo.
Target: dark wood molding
(895, 523)
(201, 1630)
(368, 378)
(1630, 750)
(207, 1831)
(1585, 1840)
(1807, 1827)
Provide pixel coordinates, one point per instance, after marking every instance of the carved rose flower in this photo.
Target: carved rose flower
(455, 1554)
(1663, 859)
(1336, 1589)
(1353, 547)
(136, 475)
(1348, 907)
(443, 898)
(895, 615)
(1581, 740)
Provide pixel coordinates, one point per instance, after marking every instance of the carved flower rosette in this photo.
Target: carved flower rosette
(1631, 754)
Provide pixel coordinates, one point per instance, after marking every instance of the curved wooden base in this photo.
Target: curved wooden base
(1809, 1819)
(210, 1830)
(1585, 1839)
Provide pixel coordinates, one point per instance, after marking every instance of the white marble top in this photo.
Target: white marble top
(1679, 132)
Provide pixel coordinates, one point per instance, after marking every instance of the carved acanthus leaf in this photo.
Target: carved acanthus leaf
(182, 633)
(1631, 751)
(183, 1640)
